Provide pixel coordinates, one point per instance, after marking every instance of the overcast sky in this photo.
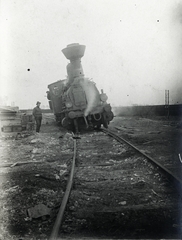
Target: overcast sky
(133, 48)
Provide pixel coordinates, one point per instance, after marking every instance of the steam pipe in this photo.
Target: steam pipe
(74, 52)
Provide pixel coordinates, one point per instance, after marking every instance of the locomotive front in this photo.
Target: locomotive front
(75, 101)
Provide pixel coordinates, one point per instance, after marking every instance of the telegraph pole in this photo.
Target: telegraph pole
(167, 102)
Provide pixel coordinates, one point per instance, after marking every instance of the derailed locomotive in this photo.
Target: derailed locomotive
(76, 101)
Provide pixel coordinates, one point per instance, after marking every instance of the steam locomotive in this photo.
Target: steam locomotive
(76, 101)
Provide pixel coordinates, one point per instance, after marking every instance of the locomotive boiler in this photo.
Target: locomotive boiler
(76, 101)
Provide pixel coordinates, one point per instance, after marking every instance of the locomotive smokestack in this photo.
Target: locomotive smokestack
(74, 52)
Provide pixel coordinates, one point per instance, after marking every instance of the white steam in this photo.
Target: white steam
(91, 95)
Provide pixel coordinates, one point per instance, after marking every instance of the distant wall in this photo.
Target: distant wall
(142, 111)
(147, 111)
(29, 111)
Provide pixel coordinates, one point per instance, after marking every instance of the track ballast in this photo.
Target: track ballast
(117, 192)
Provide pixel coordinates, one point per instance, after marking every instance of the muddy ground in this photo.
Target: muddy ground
(34, 170)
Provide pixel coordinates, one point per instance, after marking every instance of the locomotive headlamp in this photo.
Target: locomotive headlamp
(103, 97)
(68, 104)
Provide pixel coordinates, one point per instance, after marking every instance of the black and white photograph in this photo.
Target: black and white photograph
(90, 119)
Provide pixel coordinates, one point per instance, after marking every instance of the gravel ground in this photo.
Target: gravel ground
(34, 170)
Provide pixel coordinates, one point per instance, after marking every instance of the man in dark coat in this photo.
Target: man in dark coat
(37, 113)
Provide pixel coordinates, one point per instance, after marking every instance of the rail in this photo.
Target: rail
(59, 218)
(177, 181)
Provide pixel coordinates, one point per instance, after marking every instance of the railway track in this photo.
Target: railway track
(171, 174)
(117, 192)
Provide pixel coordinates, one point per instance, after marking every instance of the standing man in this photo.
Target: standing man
(37, 113)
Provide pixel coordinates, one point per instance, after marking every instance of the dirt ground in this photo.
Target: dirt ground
(34, 167)
(160, 138)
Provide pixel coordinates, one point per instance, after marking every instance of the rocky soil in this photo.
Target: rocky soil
(34, 170)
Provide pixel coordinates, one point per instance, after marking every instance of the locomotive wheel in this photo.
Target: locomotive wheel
(104, 119)
(66, 123)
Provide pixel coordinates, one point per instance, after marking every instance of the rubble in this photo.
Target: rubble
(38, 211)
(43, 180)
(13, 122)
(122, 203)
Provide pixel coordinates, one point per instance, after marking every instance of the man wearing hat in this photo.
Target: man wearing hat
(37, 113)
